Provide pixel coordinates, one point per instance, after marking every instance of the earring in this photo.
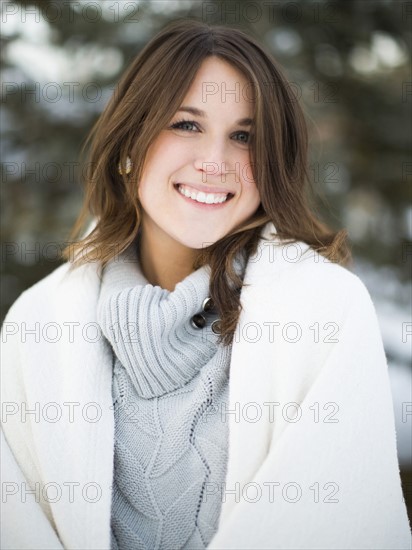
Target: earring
(128, 166)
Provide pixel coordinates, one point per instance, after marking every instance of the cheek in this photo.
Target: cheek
(147, 195)
(141, 192)
(254, 199)
(154, 197)
(247, 175)
(250, 189)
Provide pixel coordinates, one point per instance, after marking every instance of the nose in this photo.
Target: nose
(211, 157)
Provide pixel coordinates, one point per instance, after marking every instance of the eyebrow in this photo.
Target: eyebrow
(199, 112)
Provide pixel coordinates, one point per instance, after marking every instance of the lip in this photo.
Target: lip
(202, 205)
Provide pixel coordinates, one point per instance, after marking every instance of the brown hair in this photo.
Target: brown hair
(147, 97)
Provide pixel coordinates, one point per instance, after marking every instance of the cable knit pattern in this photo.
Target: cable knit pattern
(170, 394)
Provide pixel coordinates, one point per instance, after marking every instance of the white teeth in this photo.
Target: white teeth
(206, 198)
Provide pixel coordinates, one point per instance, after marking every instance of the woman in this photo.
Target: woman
(207, 372)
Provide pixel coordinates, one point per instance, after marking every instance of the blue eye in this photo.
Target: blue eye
(245, 134)
(180, 124)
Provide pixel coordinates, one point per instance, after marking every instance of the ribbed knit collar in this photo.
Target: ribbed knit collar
(150, 328)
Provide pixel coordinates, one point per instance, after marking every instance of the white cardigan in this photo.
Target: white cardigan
(312, 447)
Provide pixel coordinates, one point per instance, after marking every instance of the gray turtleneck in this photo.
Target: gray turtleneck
(170, 385)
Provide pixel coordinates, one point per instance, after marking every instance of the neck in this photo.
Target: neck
(163, 261)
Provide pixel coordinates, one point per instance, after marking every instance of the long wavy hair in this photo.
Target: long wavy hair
(147, 97)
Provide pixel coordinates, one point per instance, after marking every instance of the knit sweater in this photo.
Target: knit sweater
(170, 378)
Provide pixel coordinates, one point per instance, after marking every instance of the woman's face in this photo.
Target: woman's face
(206, 155)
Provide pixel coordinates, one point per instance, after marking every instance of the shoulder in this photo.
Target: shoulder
(55, 290)
(296, 274)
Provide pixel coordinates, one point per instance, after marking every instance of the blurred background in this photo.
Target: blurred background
(349, 63)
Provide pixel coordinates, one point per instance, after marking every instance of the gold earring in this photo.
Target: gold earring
(128, 166)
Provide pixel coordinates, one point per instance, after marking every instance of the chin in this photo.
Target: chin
(198, 244)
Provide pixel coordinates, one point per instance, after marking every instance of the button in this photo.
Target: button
(216, 328)
(198, 321)
(208, 304)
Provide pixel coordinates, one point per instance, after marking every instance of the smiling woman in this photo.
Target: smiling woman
(247, 136)
(206, 160)
(218, 378)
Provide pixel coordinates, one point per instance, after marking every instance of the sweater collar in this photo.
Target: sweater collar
(150, 328)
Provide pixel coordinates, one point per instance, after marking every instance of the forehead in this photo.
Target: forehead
(217, 81)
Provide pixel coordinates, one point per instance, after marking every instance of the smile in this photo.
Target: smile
(201, 197)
